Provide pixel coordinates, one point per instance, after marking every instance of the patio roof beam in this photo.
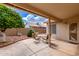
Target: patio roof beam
(33, 10)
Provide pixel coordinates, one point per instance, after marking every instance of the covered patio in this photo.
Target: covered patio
(29, 48)
(64, 16)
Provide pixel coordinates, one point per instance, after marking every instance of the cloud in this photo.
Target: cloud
(33, 18)
(30, 17)
(41, 19)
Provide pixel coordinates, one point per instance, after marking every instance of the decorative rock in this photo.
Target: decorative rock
(2, 37)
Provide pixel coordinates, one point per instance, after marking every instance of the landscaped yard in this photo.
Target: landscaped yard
(12, 39)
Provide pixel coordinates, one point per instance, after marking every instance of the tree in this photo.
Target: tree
(9, 19)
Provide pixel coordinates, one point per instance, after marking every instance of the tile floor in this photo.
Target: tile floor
(29, 48)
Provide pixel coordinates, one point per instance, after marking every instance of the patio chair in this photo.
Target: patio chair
(36, 37)
(45, 39)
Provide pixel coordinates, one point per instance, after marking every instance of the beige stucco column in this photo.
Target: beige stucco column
(49, 32)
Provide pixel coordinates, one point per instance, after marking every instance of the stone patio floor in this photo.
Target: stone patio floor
(29, 48)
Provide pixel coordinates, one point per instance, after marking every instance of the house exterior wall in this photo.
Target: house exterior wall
(62, 33)
(62, 28)
(78, 32)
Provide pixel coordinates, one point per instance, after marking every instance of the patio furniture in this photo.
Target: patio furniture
(44, 38)
(36, 37)
(40, 37)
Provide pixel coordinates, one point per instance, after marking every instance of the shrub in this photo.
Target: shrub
(30, 32)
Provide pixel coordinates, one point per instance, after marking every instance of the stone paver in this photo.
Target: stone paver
(29, 48)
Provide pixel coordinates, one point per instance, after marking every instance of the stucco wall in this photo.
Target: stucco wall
(78, 32)
(39, 29)
(24, 31)
(13, 31)
(62, 31)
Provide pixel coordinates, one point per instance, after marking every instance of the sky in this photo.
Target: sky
(30, 18)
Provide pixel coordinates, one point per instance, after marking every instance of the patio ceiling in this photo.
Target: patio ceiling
(55, 11)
